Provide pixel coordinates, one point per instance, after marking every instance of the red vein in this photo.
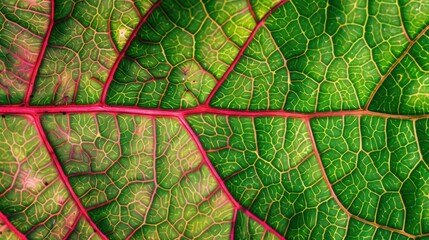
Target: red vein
(221, 183)
(97, 108)
(6, 221)
(40, 57)
(73, 226)
(233, 222)
(109, 32)
(137, 10)
(398, 60)
(63, 177)
(333, 194)
(249, 5)
(241, 52)
(124, 50)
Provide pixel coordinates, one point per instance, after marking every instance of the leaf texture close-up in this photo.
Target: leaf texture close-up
(214, 119)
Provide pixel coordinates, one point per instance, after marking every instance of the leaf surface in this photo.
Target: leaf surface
(230, 119)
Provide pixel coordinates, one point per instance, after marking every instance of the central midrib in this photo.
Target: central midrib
(202, 109)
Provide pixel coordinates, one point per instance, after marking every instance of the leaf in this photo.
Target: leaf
(23, 25)
(241, 119)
